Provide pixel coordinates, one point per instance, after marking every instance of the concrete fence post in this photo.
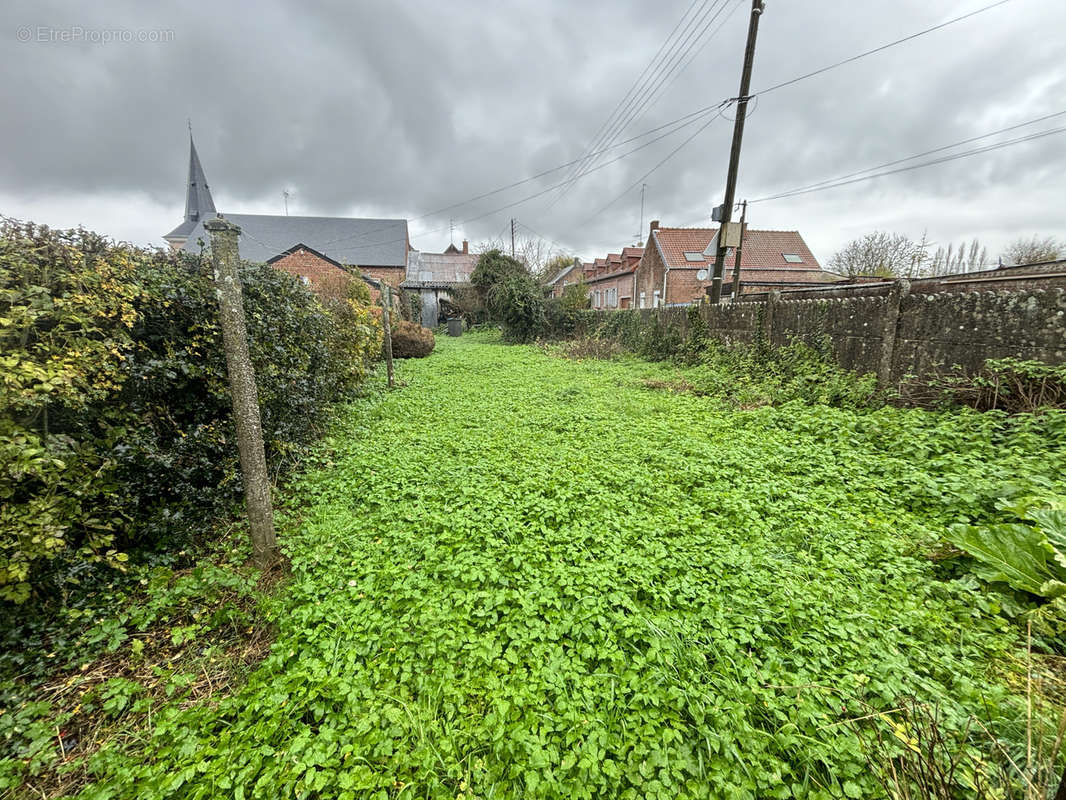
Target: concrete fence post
(890, 329)
(225, 259)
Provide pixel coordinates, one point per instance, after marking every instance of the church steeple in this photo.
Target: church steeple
(198, 202)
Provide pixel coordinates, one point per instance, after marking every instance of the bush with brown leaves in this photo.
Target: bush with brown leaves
(411, 340)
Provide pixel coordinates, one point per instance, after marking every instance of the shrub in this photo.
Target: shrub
(511, 295)
(411, 340)
(575, 297)
(115, 424)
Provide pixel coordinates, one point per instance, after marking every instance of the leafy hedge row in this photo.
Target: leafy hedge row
(511, 296)
(115, 428)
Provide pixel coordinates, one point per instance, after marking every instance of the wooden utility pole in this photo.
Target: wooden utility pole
(386, 318)
(757, 7)
(225, 259)
(740, 249)
(512, 237)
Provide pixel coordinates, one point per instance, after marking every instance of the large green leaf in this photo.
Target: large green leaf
(1013, 554)
(1052, 522)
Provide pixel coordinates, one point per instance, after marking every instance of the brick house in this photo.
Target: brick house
(609, 280)
(319, 272)
(319, 250)
(675, 269)
(612, 284)
(572, 273)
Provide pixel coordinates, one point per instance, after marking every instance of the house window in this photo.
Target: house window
(693, 256)
(792, 258)
(643, 300)
(655, 299)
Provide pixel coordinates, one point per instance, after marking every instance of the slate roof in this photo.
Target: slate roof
(562, 273)
(198, 202)
(353, 242)
(763, 251)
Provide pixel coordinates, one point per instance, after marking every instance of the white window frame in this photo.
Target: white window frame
(643, 299)
(656, 299)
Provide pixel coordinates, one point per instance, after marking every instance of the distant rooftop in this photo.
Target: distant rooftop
(353, 242)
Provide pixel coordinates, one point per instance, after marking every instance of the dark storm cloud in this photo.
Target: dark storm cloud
(397, 109)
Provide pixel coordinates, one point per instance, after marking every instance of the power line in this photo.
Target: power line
(686, 119)
(822, 70)
(559, 247)
(633, 91)
(835, 184)
(883, 47)
(643, 177)
(653, 93)
(535, 195)
(680, 123)
(931, 152)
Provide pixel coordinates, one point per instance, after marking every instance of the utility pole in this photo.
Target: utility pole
(740, 249)
(757, 7)
(225, 258)
(512, 237)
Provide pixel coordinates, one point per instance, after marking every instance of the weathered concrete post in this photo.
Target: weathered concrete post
(225, 259)
(890, 329)
(386, 319)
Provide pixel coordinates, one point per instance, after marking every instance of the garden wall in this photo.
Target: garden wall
(893, 335)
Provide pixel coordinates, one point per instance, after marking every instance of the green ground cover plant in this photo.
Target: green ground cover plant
(526, 576)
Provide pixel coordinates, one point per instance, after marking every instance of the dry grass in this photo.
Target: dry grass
(584, 348)
(211, 666)
(916, 756)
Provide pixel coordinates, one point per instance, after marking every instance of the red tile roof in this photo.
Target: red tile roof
(763, 250)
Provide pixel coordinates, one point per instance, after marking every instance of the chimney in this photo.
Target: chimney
(466, 247)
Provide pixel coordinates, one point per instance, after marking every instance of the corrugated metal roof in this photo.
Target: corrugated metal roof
(440, 268)
(354, 242)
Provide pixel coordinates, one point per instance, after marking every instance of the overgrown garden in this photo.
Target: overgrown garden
(553, 571)
(584, 581)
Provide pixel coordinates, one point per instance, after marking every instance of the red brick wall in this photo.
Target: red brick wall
(683, 287)
(624, 285)
(649, 276)
(322, 276)
(393, 276)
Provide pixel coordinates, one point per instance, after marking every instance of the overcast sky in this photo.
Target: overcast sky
(385, 109)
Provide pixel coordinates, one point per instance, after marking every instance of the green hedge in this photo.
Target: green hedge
(115, 427)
